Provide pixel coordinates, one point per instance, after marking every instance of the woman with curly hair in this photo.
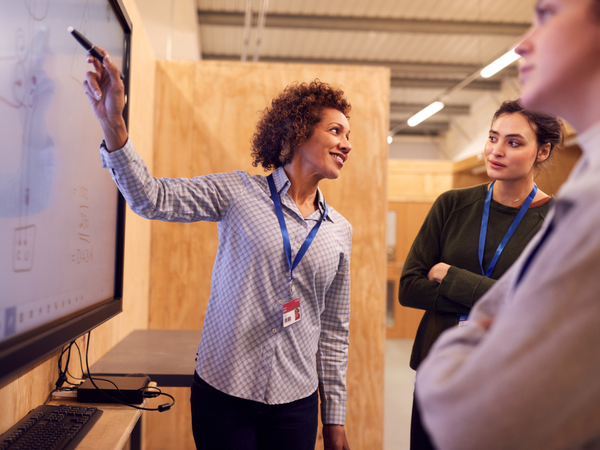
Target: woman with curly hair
(276, 326)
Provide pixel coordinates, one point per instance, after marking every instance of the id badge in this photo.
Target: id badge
(463, 320)
(291, 312)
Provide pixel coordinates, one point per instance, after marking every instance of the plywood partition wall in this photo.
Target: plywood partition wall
(205, 117)
(33, 386)
(418, 180)
(413, 186)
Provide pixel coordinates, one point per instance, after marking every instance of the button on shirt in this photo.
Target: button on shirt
(245, 351)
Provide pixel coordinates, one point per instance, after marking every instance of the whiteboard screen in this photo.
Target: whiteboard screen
(58, 207)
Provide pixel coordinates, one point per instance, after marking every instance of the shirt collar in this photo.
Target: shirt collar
(589, 141)
(583, 178)
(282, 184)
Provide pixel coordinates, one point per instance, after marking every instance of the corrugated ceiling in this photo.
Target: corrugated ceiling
(421, 40)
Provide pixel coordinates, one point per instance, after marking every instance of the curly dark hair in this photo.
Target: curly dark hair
(291, 120)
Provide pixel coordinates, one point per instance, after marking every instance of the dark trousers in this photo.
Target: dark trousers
(224, 422)
(419, 438)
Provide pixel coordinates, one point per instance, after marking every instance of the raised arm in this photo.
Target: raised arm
(106, 93)
(206, 198)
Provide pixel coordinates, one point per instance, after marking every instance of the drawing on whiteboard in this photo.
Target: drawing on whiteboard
(23, 242)
(84, 253)
(27, 190)
(38, 9)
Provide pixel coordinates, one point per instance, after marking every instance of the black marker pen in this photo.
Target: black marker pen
(92, 50)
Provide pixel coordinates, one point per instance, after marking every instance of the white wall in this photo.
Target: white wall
(172, 26)
(416, 147)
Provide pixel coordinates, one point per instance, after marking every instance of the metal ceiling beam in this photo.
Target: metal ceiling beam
(397, 68)
(413, 108)
(426, 128)
(382, 25)
(429, 83)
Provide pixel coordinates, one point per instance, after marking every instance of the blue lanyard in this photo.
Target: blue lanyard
(284, 232)
(509, 233)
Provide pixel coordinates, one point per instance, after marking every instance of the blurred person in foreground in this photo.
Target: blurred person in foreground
(524, 372)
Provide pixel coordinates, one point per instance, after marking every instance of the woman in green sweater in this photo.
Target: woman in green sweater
(472, 236)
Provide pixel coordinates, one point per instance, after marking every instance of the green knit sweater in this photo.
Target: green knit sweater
(450, 234)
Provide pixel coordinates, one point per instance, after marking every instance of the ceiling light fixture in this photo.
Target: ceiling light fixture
(425, 114)
(486, 72)
(390, 139)
(499, 64)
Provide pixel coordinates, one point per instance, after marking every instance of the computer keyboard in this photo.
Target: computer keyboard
(50, 427)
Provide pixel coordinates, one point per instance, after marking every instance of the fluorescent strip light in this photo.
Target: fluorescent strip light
(390, 139)
(499, 64)
(425, 113)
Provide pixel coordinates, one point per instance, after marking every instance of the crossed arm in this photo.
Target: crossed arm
(524, 373)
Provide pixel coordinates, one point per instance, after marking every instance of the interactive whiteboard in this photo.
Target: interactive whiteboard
(58, 207)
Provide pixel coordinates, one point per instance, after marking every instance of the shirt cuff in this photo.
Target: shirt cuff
(119, 158)
(333, 413)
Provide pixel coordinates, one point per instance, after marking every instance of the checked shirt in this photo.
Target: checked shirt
(245, 351)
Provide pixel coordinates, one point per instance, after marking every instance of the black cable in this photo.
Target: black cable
(161, 408)
(62, 376)
(80, 366)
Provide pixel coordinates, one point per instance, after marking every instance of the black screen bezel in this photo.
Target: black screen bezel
(22, 352)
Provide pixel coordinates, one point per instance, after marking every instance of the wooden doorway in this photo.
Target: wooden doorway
(404, 222)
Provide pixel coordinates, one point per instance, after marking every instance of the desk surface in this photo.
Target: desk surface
(166, 356)
(112, 430)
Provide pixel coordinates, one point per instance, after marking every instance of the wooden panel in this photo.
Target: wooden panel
(469, 172)
(409, 219)
(406, 320)
(551, 178)
(32, 387)
(171, 429)
(415, 180)
(182, 253)
(470, 163)
(469, 178)
(227, 98)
